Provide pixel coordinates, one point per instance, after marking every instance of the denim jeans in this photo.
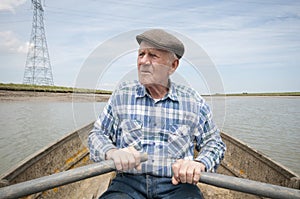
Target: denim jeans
(128, 186)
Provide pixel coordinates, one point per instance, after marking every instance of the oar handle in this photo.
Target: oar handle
(249, 186)
(59, 179)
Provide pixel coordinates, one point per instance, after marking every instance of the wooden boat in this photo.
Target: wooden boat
(70, 152)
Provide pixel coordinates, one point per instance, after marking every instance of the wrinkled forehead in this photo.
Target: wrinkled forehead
(148, 46)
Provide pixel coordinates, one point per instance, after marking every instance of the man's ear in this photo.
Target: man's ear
(174, 66)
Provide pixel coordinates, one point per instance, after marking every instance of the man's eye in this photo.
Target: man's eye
(153, 55)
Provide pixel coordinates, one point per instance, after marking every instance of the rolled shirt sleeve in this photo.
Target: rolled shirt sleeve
(102, 137)
(208, 142)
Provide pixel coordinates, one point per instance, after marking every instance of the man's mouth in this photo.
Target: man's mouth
(145, 71)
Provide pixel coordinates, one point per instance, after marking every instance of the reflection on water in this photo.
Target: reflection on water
(268, 124)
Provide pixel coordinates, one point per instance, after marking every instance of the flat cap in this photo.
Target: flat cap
(162, 40)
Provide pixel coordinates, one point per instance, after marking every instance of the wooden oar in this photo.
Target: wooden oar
(249, 186)
(77, 174)
(59, 179)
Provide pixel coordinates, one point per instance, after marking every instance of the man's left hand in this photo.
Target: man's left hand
(187, 171)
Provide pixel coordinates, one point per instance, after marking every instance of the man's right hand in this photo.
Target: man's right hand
(125, 159)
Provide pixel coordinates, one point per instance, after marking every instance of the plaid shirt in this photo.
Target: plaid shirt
(165, 129)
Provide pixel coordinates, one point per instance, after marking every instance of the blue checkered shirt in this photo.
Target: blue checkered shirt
(166, 129)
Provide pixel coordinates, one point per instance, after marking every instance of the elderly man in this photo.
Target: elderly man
(163, 119)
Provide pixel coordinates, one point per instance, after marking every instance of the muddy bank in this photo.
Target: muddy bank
(50, 96)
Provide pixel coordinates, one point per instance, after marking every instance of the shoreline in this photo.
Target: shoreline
(68, 93)
(44, 96)
(7, 95)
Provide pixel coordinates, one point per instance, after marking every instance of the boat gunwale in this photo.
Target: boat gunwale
(261, 156)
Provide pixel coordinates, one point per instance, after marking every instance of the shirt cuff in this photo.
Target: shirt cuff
(206, 161)
(105, 149)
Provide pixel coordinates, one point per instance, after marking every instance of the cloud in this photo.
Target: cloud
(10, 43)
(10, 5)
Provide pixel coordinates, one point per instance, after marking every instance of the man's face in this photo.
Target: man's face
(154, 65)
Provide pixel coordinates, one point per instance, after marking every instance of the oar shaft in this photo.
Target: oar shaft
(58, 179)
(249, 186)
(81, 173)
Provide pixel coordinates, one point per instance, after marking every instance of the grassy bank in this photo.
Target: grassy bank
(53, 89)
(61, 89)
(261, 94)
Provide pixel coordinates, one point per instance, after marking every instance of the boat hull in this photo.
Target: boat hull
(71, 152)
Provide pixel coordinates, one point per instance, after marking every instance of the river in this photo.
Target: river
(268, 124)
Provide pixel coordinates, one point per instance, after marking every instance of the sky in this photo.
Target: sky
(251, 46)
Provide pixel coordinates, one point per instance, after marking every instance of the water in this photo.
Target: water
(27, 127)
(268, 124)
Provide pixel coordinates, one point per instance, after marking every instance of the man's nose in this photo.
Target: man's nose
(145, 59)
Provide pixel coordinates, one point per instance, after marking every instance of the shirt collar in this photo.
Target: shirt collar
(172, 94)
(140, 90)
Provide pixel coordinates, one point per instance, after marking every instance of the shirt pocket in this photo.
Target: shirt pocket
(131, 134)
(178, 140)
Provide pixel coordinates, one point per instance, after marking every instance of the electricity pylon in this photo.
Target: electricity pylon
(38, 68)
